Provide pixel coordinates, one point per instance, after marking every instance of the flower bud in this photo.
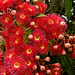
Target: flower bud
(70, 49)
(13, 12)
(34, 67)
(56, 69)
(48, 71)
(47, 59)
(42, 68)
(32, 23)
(30, 36)
(62, 23)
(63, 52)
(61, 36)
(37, 57)
(67, 45)
(55, 47)
(27, 0)
(57, 64)
(36, 0)
(37, 6)
(70, 37)
(36, 73)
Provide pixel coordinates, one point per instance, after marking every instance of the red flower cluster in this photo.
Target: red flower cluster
(21, 57)
(53, 25)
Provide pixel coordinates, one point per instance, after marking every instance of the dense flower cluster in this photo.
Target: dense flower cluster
(23, 49)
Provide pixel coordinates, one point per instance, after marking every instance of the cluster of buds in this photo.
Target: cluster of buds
(67, 42)
(23, 48)
(55, 69)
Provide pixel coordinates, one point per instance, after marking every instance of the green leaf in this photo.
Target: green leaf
(40, 15)
(67, 64)
(28, 32)
(3, 42)
(68, 7)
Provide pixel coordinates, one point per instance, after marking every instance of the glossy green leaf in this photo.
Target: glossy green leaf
(28, 32)
(67, 64)
(68, 7)
(3, 42)
(40, 15)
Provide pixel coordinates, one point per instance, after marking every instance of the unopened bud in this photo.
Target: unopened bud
(47, 59)
(30, 36)
(55, 47)
(63, 52)
(48, 71)
(35, 0)
(32, 23)
(57, 64)
(13, 12)
(36, 73)
(70, 49)
(61, 36)
(34, 67)
(70, 37)
(37, 6)
(42, 68)
(67, 45)
(62, 23)
(56, 69)
(37, 57)
(27, 0)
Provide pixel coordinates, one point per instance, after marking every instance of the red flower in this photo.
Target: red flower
(43, 23)
(7, 20)
(21, 6)
(22, 17)
(16, 66)
(29, 52)
(29, 64)
(18, 31)
(42, 7)
(43, 47)
(52, 26)
(38, 35)
(16, 41)
(53, 34)
(31, 10)
(9, 54)
(55, 21)
(4, 4)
